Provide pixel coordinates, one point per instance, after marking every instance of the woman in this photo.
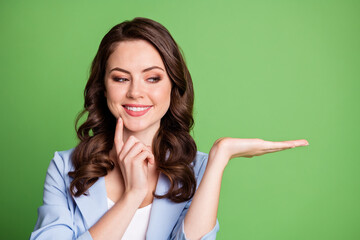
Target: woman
(136, 172)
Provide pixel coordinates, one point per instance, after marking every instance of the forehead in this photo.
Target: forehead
(134, 55)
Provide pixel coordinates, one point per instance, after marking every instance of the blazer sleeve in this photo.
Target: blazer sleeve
(178, 232)
(55, 218)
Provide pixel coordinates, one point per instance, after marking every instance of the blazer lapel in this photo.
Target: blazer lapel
(94, 205)
(164, 213)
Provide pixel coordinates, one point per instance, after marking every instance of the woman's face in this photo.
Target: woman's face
(137, 85)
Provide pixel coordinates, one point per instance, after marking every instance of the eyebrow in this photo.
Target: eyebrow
(145, 70)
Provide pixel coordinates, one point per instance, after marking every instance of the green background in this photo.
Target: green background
(276, 70)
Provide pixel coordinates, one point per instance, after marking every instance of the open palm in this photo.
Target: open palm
(228, 148)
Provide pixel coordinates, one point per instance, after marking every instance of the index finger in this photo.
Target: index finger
(287, 144)
(298, 143)
(118, 139)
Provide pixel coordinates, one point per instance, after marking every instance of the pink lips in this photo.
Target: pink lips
(135, 110)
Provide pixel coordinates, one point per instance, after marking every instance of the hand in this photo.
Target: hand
(134, 159)
(228, 148)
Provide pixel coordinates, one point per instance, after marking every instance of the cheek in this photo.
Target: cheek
(163, 97)
(114, 101)
(113, 107)
(115, 95)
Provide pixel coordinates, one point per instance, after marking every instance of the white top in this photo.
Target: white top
(139, 223)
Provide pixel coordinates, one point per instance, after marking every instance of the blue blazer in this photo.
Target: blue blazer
(64, 217)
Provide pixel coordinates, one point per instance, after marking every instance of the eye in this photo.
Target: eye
(154, 79)
(117, 79)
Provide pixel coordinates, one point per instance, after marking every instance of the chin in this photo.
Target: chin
(135, 127)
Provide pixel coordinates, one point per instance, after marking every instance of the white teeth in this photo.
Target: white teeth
(137, 109)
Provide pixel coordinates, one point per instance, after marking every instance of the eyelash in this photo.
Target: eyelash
(154, 79)
(116, 79)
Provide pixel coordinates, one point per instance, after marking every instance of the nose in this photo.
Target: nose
(135, 90)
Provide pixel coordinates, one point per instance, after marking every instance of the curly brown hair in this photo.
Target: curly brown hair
(173, 147)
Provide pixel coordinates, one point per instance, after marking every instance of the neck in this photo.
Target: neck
(146, 137)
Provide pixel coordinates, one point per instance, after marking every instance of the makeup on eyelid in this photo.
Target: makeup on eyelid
(154, 79)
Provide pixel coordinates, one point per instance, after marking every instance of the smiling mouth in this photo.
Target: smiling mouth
(136, 110)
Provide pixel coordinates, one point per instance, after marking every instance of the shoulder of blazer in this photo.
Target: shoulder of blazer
(63, 162)
(199, 165)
